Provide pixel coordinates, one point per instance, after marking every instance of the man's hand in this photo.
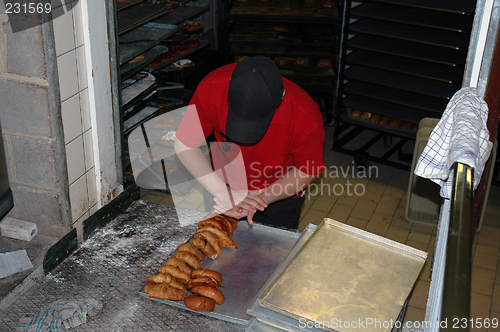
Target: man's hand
(246, 204)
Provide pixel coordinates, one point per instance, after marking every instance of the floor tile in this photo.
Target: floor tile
(486, 257)
(426, 272)
(348, 200)
(363, 209)
(309, 201)
(397, 234)
(194, 197)
(402, 204)
(379, 223)
(482, 280)
(376, 187)
(400, 221)
(188, 205)
(414, 314)
(432, 243)
(311, 217)
(423, 228)
(370, 196)
(495, 300)
(419, 237)
(494, 320)
(479, 305)
(340, 212)
(356, 222)
(152, 198)
(323, 203)
(167, 200)
(416, 245)
(394, 191)
(388, 205)
(419, 295)
(489, 236)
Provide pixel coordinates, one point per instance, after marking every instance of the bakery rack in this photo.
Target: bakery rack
(284, 29)
(401, 59)
(150, 27)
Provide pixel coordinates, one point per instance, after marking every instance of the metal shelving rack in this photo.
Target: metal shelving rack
(401, 59)
(312, 32)
(151, 27)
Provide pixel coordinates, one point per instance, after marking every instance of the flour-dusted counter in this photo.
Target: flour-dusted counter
(113, 264)
(112, 267)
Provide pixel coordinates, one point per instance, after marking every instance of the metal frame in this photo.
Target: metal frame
(457, 274)
(361, 155)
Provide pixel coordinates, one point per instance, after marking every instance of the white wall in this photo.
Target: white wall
(82, 47)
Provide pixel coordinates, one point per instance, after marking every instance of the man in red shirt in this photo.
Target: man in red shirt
(270, 140)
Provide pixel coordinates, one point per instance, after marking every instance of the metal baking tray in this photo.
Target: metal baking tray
(186, 11)
(138, 90)
(203, 44)
(343, 274)
(141, 13)
(245, 270)
(142, 39)
(129, 69)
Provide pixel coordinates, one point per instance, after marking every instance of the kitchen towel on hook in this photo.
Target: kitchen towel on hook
(461, 136)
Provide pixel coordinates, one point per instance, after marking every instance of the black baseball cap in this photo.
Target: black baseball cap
(255, 92)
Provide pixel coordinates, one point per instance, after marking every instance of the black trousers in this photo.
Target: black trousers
(284, 213)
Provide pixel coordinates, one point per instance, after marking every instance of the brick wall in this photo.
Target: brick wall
(30, 114)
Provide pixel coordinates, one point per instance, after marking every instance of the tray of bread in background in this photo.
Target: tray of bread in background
(381, 121)
(221, 269)
(132, 14)
(310, 34)
(177, 51)
(305, 8)
(300, 65)
(143, 38)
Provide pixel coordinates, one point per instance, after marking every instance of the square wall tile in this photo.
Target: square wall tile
(78, 22)
(82, 68)
(75, 159)
(78, 198)
(85, 108)
(63, 31)
(72, 120)
(68, 76)
(88, 149)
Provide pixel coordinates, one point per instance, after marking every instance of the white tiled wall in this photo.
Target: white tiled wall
(75, 112)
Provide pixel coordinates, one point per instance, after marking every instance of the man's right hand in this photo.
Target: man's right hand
(246, 204)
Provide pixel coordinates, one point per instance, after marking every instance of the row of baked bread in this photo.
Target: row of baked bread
(384, 120)
(182, 271)
(324, 3)
(286, 61)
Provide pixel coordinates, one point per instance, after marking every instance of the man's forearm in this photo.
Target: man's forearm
(288, 185)
(197, 164)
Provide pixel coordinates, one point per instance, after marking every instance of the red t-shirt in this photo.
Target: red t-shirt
(295, 136)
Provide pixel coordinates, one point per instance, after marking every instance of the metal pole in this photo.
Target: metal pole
(455, 310)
